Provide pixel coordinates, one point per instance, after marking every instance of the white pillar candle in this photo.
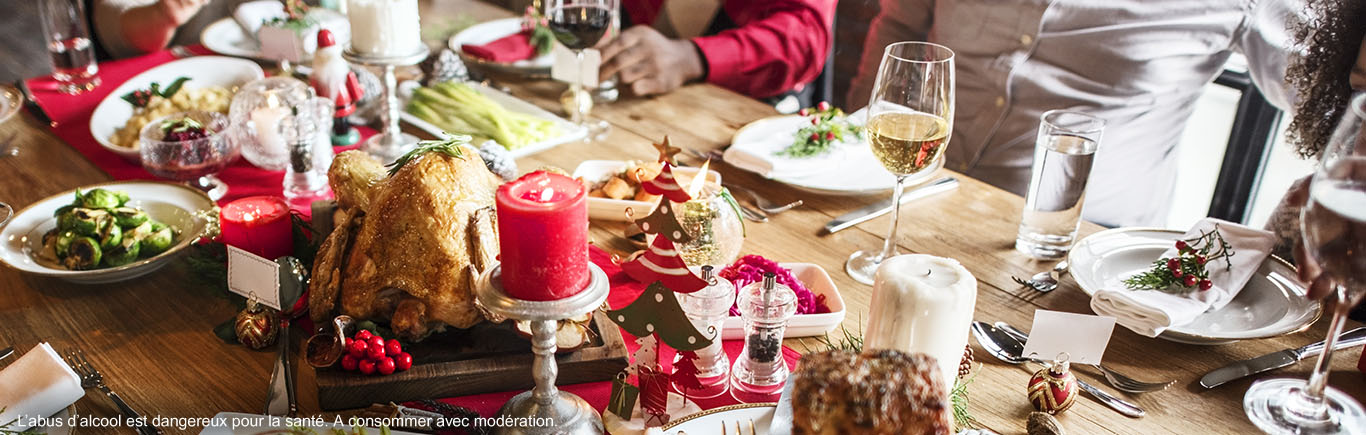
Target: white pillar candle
(267, 121)
(37, 385)
(384, 28)
(922, 304)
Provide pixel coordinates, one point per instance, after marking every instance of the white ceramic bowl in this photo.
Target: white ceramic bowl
(802, 325)
(203, 71)
(615, 209)
(188, 211)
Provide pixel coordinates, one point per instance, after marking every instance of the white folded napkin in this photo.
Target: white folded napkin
(250, 15)
(36, 386)
(771, 135)
(1149, 312)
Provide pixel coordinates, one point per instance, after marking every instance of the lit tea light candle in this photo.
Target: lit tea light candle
(922, 304)
(384, 28)
(267, 123)
(259, 225)
(543, 236)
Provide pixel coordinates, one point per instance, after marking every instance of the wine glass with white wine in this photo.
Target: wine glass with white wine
(1334, 227)
(910, 118)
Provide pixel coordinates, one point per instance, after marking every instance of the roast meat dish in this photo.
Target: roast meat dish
(407, 248)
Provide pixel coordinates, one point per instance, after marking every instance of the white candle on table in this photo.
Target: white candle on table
(37, 385)
(922, 304)
(384, 28)
(267, 120)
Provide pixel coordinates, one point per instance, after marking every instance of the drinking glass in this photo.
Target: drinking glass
(69, 45)
(578, 25)
(910, 119)
(607, 91)
(1334, 227)
(1063, 153)
(5, 212)
(193, 161)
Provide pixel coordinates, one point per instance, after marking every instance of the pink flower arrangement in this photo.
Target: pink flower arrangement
(751, 268)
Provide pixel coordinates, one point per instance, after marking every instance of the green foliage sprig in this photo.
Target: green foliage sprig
(141, 97)
(828, 126)
(449, 146)
(1188, 271)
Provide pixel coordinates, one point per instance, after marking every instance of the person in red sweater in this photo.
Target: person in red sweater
(760, 48)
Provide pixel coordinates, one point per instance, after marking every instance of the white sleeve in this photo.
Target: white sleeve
(109, 25)
(1268, 43)
(899, 20)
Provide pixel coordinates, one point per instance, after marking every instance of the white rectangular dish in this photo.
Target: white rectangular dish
(802, 325)
(615, 209)
(569, 132)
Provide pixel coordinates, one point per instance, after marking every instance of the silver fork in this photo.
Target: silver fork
(1046, 281)
(725, 430)
(91, 378)
(1116, 379)
(181, 52)
(763, 203)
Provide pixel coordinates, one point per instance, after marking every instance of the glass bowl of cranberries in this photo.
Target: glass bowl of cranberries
(190, 147)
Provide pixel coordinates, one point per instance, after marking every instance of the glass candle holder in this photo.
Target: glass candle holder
(707, 309)
(765, 308)
(715, 227)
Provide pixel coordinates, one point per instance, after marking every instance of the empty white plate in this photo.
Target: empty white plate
(1273, 302)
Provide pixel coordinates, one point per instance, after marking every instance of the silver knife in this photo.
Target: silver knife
(1272, 361)
(6, 352)
(781, 424)
(32, 103)
(883, 207)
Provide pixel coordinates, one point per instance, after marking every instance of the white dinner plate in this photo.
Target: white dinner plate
(226, 37)
(490, 31)
(569, 132)
(615, 209)
(711, 420)
(802, 325)
(188, 211)
(203, 71)
(850, 169)
(1273, 302)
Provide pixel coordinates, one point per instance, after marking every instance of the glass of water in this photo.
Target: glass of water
(1063, 154)
(69, 45)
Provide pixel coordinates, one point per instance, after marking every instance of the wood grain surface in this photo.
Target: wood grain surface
(152, 336)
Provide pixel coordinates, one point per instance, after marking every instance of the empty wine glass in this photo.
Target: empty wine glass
(578, 25)
(1334, 227)
(910, 118)
(191, 147)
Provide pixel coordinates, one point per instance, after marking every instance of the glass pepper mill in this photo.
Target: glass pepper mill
(707, 309)
(306, 132)
(765, 307)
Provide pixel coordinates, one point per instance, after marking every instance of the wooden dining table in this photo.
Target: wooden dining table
(152, 336)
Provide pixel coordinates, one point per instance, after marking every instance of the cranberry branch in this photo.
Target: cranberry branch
(1187, 271)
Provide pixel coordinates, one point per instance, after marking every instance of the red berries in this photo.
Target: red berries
(1173, 264)
(1191, 280)
(815, 121)
(1200, 259)
(804, 112)
(1177, 273)
(829, 135)
(1205, 284)
(815, 137)
(1182, 246)
(823, 106)
(368, 354)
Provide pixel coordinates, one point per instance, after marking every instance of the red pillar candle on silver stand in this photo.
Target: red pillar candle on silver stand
(543, 236)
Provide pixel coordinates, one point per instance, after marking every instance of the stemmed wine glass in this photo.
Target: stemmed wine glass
(910, 118)
(579, 25)
(1334, 227)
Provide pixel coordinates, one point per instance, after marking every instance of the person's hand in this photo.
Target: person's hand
(180, 11)
(650, 62)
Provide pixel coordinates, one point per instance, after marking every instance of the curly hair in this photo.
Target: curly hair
(1328, 41)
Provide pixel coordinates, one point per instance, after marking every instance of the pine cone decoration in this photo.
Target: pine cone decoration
(498, 160)
(965, 366)
(445, 66)
(257, 326)
(370, 84)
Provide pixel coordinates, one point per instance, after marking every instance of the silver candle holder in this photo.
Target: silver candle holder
(554, 411)
(392, 143)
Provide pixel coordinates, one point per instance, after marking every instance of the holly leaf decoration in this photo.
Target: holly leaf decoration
(449, 146)
(542, 39)
(142, 97)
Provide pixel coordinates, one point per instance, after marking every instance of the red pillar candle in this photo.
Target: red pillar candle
(259, 225)
(543, 236)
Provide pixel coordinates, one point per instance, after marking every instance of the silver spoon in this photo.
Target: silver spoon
(1045, 281)
(1006, 348)
(1117, 380)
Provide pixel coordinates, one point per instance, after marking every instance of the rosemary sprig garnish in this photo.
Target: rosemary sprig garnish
(1187, 271)
(449, 146)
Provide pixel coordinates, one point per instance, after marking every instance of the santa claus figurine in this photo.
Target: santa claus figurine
(332, 79)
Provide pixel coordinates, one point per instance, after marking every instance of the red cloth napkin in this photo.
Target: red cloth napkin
(507, 49)
(624, 290)
(71, 118)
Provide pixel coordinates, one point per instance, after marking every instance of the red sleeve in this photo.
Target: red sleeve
(776, 45)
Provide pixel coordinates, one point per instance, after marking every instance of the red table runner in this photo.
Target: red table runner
(71, 122)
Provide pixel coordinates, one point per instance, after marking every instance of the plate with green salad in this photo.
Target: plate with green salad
(108, 232)
(486, 114)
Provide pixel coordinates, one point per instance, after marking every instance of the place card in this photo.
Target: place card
(567, 68)
(254, 277)
(1082, 336)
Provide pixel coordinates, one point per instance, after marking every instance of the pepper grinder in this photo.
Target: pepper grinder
(765, 308)
(707, 309)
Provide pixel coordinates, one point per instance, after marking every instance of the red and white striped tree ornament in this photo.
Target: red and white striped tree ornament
(662, 263)
(665, 184)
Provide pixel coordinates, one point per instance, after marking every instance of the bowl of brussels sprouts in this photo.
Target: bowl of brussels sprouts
(107, 233)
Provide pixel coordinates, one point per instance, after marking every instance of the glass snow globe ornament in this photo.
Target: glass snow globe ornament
(765, 308)
(714, 224)
(284, 125)
(708, 309)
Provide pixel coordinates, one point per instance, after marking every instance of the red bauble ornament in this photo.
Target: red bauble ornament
(1053, 389)
(257, 326)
